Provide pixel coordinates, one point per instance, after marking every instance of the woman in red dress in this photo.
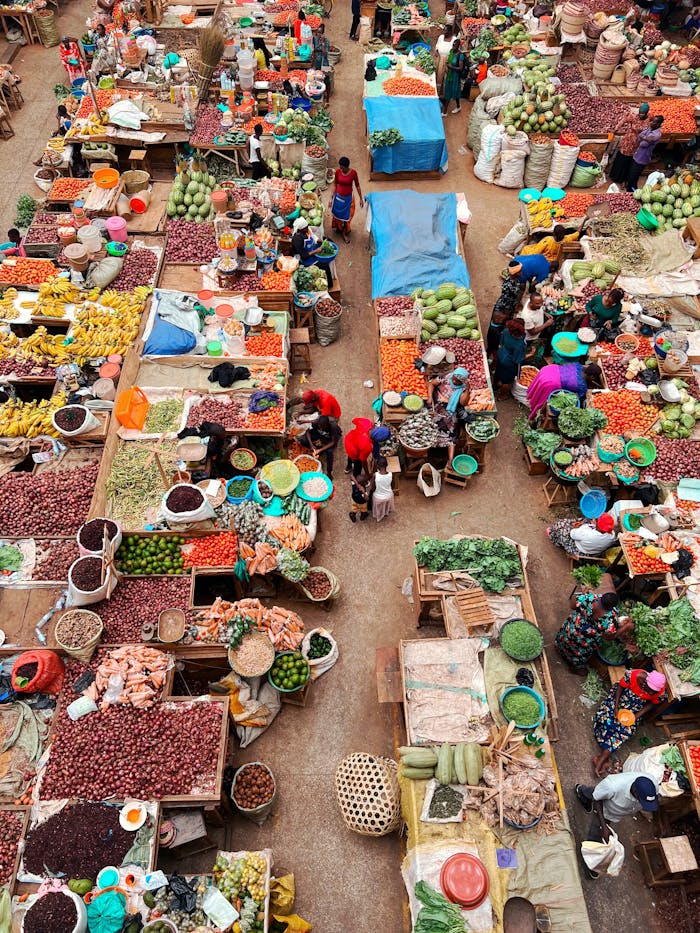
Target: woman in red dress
(70, 56)
(343, 200)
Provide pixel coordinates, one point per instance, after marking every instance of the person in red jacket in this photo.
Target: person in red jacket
(358, 446)
(323, 402)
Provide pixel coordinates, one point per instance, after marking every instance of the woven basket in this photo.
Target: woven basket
(86, 651)
(368, 793)
(308, 200)
(135, 180)
(46, 26)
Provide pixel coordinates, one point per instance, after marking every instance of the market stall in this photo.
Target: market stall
(422, 147)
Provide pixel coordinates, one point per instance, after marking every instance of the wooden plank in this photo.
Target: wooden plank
(678, 854)
(389, 675)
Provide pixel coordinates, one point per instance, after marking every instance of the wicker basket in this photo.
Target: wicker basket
(368, 793)
(216, 500)
(85, 651)
(135, 180)
(46, 25)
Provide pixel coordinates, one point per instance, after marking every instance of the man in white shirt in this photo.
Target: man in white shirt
(615, 797)
(594, 539)
(258, 164)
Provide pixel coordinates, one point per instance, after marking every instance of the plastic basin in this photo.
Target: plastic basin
(647, 219)
(465, 465)
(593, 504)
(645, 447)
(532, 693)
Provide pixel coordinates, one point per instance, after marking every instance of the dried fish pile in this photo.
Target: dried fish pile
(527, 793)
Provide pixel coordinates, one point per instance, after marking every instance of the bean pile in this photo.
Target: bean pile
(184, 499)
(254, 787)
(168, 749)
(75, 629)
(10, 831)
(86, 574)
(137, 602)
(138, 268)
(229, 415)
(53, 911)
(386, 307)
(317, 583)
(49, 503)
(77, 842)
(190, 242)
(327, 307)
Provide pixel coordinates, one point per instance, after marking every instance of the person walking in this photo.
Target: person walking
(343, 197)
(360, 498)
(355, 8)
(454, 74)
(380, 490)
(629, 129)
(258, 164)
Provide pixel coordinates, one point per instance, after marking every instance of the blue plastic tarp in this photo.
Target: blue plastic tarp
(420, 123)
(414, 241)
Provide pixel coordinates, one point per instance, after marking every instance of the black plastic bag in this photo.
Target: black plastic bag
(184, 894)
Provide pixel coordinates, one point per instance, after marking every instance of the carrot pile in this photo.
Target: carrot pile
(27, 271)
(212, 551)
(275, 79)
(142, 671)
(399, 374)
(275, 281)
(678, 114)
(284, 628)
(270, 420)
(65, 189)
(408, 87)
(291, 533)
(625, 411)
(264, 345)
(261, 559)
(575, 204)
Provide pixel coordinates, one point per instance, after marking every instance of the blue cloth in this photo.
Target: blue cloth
(573, 380)
(167, 339)
(457, 389)
(340, 208)
(379, 434)
(414, 241)
(309, 243)
(534, 264)
(419, 121)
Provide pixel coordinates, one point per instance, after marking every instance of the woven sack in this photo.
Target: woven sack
(368, 793)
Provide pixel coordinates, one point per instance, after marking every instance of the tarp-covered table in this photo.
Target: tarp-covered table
(419, 121)
(414, 238)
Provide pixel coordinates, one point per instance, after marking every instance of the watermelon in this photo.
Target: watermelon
(448, 291)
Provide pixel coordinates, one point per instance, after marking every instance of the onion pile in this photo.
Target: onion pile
(54, 502)
(10, 832)
(674, 459)
(18, 366)
(168, 749)
(468, 353)
(317, 583)
(387, 307)
(54, 562)
(139, 267)
(585, 110)
(137, 602)
(189, 241)
(230, 416)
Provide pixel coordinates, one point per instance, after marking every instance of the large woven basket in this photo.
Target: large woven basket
(86, 650)
(368, 793)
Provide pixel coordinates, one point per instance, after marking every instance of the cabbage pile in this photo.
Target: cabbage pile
(678, 419)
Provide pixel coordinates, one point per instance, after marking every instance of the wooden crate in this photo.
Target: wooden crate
(535, 467)
(685, 748)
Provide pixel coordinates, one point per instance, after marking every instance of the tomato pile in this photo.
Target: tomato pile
(270, 420)
(213, 551)
(399, 374)
(625, 411)
(694, 755)
(642, 350)
(264, 345)
(275, 281)
(66, 189)
(27, 271)
(408, 87)
(679, 115)
(104, 99)
(639, 563)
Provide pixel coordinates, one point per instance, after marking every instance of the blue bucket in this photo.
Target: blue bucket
(593, 503)
(300, 103)
(238, 499)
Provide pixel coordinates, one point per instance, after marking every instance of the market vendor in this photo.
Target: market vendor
(536, 321)
(382, 18)
(605, 310)
(379, 435)
(504, 308)
(574, 377)
(511, 354)
(629, 127)
(323, 437)
(307, 246)
(592, 619)
(13, 247)
(584, 538)
(646, 142)
(531, 267)
(550, 246)
(343, 198)
(70, 57)
(636, 694)
(449, 397)
(323, 402)
(258, 164)
(358, 446)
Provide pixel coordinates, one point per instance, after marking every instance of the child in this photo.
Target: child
(321, 48)
(360, 498)
(381, 491)
(14, 245)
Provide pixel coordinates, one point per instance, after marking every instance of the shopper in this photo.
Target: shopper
(360, 498)
(454, 75)
(322, 438)
(618, 716)
(323, 402)
(615, 797)
(629, 128)
(443, 47)
(646, 141)
(382, 18)
(571, 376)
(381, 491)
(534, 267)
(70, 57)
(358, 446)
(321, 48)
(258, 164)
(593, 618)
(343, 198)
(503, 309)
(355, 8)
(550, 246)
(511, 353)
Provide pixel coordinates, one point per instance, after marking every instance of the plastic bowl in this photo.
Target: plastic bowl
(287, 689)
(117, 249)
(314, 475)
(327, 260)
(465, 465)
(305, 300)
(647, 219)
(626, 480)
(529, 194)
(532, 693)
(646, 448)
(593, 503)
(106, 178)
(581, 349)
(238, 499)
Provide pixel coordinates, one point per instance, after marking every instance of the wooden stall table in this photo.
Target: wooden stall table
(667, 862)
(229, 153)
(26, 22)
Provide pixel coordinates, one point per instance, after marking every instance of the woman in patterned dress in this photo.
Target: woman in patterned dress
(638, 691)
(593, 618)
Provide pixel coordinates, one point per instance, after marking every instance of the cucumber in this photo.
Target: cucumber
(460, 764)
(417, 774)
(444, 763)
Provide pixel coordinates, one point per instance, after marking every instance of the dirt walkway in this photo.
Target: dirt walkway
(346, 882)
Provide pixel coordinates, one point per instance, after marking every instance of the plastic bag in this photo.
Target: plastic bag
(496, 87)
(166, 339)
(5, 911)
(319, 666)
(184, 894)
(478, 119)
(49, 672)
(495, 104)
(585, 176)
(282, 891)
(104, 271)
(432, 486)
(606, 857)
(291, 924)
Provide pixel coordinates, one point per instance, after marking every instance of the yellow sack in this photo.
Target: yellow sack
(282, 892)
(294, 923)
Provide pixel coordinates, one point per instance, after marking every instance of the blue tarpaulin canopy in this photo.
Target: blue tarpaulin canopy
(420, 123)
(414, 240)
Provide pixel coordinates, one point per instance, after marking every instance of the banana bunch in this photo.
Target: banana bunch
(42, 346)
(29, 419)
(60, 289)
(57, 143)
(126, 301)
(543, 213)
(8, 343)
(8, 311)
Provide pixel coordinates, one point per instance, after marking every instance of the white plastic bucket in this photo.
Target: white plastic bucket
(89, 424)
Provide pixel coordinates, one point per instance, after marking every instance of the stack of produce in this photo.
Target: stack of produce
(448, 764)
(534, 68)
(602, 273)
(671, 203)
(679, 419)
(142, 671)
(399, 374)
(540, 110)
(543, 213)
(493, 562)
(625, 411)
(190, 194)
(671, 631)
(447, 311)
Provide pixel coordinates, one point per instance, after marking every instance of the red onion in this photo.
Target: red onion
(10, 832)
(468, 353)
(54, 502)
(388, 307)
(189, 241)
(137, 602)
(55, 559)
(139, 268)
(674, 459)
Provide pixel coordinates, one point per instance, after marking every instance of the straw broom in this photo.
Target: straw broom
(211, 47)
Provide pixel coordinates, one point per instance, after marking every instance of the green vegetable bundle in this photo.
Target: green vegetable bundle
(588, 575)
(541, 443)
(26, 207)
(578, 423)
(379, 138)
(292, 566)
(673, 630)
(438, 915)
(491, 561)
(322, 120)
(424, 62)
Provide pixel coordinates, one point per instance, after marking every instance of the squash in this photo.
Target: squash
(430, 326)
(473, 763)
(417, 774)
(430, 314)
(448, 291)
(444, 764)
(460, 763)
(444, 306)
(418, 757)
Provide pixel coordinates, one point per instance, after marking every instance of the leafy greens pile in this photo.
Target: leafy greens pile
(541, 443)
(438, 915)
(491, 561)
(379, 138)
(588, 575)
(673, 630)
(581, 422)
